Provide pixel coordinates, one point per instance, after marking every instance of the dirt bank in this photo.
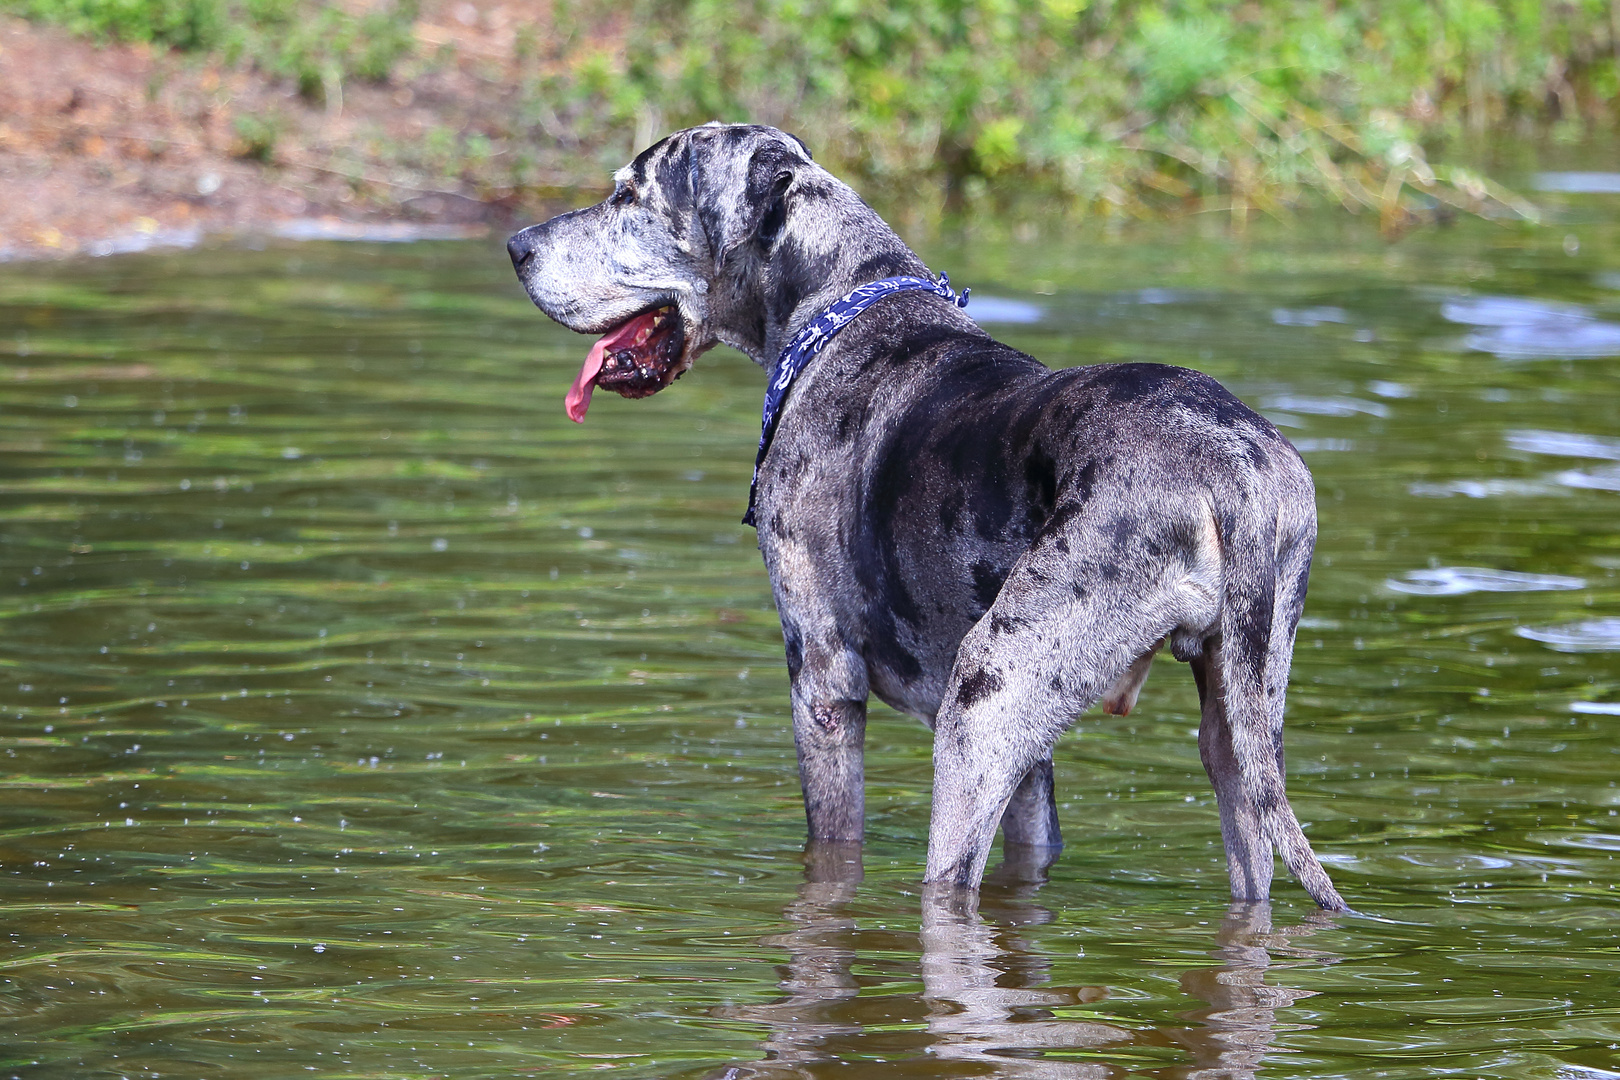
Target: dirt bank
(112, 147)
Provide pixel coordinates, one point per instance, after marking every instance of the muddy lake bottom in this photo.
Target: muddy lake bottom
(363, 717)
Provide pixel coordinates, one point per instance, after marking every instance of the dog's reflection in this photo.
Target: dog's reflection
(986, 1009)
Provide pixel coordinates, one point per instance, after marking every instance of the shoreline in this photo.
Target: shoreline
(295, 229)
(107, 148)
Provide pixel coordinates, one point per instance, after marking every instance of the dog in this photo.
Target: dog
(986, 544)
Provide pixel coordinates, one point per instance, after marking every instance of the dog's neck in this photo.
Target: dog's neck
(806, 269)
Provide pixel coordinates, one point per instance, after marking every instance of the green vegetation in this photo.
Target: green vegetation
(1129, 107)
(1121, 104)
(256, 136)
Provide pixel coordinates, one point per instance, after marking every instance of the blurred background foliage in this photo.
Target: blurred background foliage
(1119, 102)
(310, 42)
(1124, 106)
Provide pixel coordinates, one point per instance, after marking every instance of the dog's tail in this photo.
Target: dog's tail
(1264, 591)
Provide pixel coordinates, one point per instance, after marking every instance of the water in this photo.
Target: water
(362, 717)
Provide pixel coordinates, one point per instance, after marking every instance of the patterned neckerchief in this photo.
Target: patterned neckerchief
(814, 338)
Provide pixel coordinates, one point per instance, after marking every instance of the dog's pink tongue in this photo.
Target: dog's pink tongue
(579, 395)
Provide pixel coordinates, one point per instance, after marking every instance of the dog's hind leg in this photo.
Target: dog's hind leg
(1248, 852)
(1264, 577)
(1066, 624)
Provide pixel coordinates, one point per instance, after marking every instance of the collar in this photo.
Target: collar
(814, 338)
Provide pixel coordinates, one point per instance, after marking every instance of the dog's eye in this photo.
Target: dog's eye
(622, 197)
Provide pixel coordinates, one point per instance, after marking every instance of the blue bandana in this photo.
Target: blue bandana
(814, 338)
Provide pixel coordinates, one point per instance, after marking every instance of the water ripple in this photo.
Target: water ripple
(1564, 444)
(1519, 328)
(482, 764)
(1459, 580)
(1588, 635)
(1325, 406)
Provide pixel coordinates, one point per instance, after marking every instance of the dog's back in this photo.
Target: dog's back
(1000, 544)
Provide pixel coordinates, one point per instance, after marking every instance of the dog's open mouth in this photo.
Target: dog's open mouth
(636, 359)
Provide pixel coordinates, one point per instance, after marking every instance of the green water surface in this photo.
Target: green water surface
(362, 717)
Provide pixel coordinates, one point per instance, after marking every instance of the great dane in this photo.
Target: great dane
(985, 544)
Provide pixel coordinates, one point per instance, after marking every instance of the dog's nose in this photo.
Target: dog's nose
(521, 248)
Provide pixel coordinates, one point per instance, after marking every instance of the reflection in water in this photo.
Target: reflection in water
(1241, 1020)
(806, 1026)
(1005, 1030)
(986, 1008)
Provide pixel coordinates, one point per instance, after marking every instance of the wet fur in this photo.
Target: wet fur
(988, 545)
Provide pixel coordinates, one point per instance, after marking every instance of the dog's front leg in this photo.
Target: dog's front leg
(830, 736)
(1031, 815)
(829, 732)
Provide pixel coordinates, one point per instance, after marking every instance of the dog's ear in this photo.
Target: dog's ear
(747, 203)
(770, 174)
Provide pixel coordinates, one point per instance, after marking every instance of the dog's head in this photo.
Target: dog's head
(667, 265)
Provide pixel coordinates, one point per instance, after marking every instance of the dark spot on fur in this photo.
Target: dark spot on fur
(1127, 384)
(992, 507)
(797, 273)
(829, 717)
(987, 582)
(674, 172)
(1005, 624)
(794, 643)
(1084, 482)
(845, 425)
(638, 167)
(961, 873)
(1058, 523)
(1040, 476)
(917, 340)
(1057, 684)
(1248, 617)
(771, 221)
(976, 687)
(882, 265)
(1296, 597)
(1122, 530)
(883, 650)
